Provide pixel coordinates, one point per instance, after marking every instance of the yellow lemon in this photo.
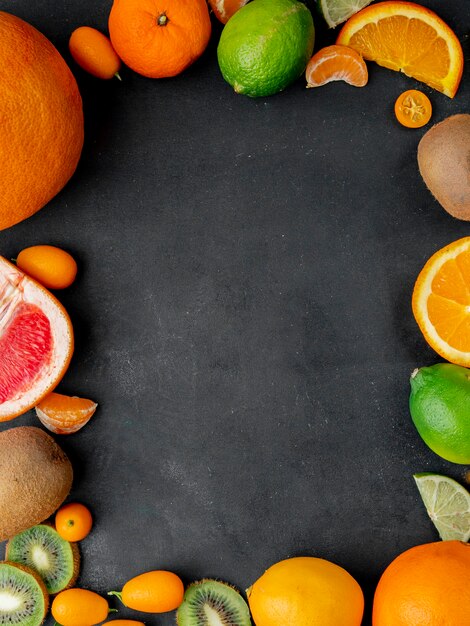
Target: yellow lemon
(306, 591)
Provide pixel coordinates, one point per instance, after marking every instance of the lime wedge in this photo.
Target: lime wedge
(447, 504)
(337, 11)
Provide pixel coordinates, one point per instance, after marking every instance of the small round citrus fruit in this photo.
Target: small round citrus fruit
(159, 38)
(73, 521)
(79, 607)
(413, 109)
(425, 586)
(224, 9)
(306, 591)
(439, 407)
(153, 592)
(41, 144)
(441, 302)
(52, 267)
(266, 46)
(94, 53)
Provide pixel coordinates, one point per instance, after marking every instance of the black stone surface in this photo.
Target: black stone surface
(242, 317)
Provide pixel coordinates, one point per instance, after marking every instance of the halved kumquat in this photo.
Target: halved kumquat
(413, 109)
(441, 302)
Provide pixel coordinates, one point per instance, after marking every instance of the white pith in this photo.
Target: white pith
(40, 558)
(15, 288)
(212, 616)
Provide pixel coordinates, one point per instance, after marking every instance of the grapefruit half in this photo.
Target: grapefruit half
(36, 341)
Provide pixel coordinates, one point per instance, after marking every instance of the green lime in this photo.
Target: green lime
(440, 409)
(338, 11)
(447, 504)
(266, 46)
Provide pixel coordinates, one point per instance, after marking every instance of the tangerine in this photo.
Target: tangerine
(159, 38)
(64, 415)
(425, 586)
(73, 521)
(41, 144)
(336, 63)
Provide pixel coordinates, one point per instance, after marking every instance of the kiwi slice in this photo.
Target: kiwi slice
(42, 549)
(212, 603)
(23, 596)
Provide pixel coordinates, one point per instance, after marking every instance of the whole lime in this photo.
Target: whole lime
(440, 409)
(266, 46)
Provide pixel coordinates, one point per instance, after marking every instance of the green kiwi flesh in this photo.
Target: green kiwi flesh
(42, 549)
(212, 603)
(23, 597)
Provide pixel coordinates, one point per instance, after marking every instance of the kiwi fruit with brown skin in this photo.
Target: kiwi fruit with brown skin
(444, 163)
(42, 549)
(207, 602)
(24, 600)
(36, 477)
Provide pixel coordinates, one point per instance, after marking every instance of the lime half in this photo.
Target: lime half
(338, 11)
(447, 504)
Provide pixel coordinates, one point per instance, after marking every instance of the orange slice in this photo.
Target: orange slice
(65, 415)
(409, 38)
(36, 341)
(441, 302)
(336, 63)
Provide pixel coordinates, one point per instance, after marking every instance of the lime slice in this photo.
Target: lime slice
(337, 11)
(447, 504)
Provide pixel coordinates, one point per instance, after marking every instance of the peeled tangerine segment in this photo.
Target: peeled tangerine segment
(36, 341)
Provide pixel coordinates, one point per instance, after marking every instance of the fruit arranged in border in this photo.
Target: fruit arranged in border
(213, 602)
(158, 591)
(25, 600)
(65, 415)
(94, 53)
(336, 63)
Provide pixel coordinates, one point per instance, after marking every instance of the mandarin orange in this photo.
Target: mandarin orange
(159, 38)
(41, 144)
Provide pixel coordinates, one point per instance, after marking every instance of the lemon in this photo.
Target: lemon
(440, 409)
(266, 46)
(306, 591)
(447, 504)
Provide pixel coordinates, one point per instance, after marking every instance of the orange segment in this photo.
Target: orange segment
(407, 37)
(441, 302)
(65, 415)
(336, 63)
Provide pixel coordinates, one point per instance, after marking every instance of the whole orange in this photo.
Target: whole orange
(159, 38)
(425, 586)
(42, 121)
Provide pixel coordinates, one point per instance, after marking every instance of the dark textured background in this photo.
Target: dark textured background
(242, 316)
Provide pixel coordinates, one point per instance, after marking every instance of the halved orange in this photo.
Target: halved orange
(336, 63)
(441, 302)
(407, 37)
(36, 341)
(64, 415)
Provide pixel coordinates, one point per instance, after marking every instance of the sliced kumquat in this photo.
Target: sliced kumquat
(413, 109)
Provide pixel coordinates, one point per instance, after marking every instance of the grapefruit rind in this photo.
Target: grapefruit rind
(372, 14)
(421, 293)
(22, 289)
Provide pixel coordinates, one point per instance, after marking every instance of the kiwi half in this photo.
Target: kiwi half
(23, 596)
(212, 603)
(42, 549)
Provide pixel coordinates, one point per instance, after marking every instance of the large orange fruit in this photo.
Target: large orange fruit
(425, 586)
(36, 341)
(42, 121)
(159, 38)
